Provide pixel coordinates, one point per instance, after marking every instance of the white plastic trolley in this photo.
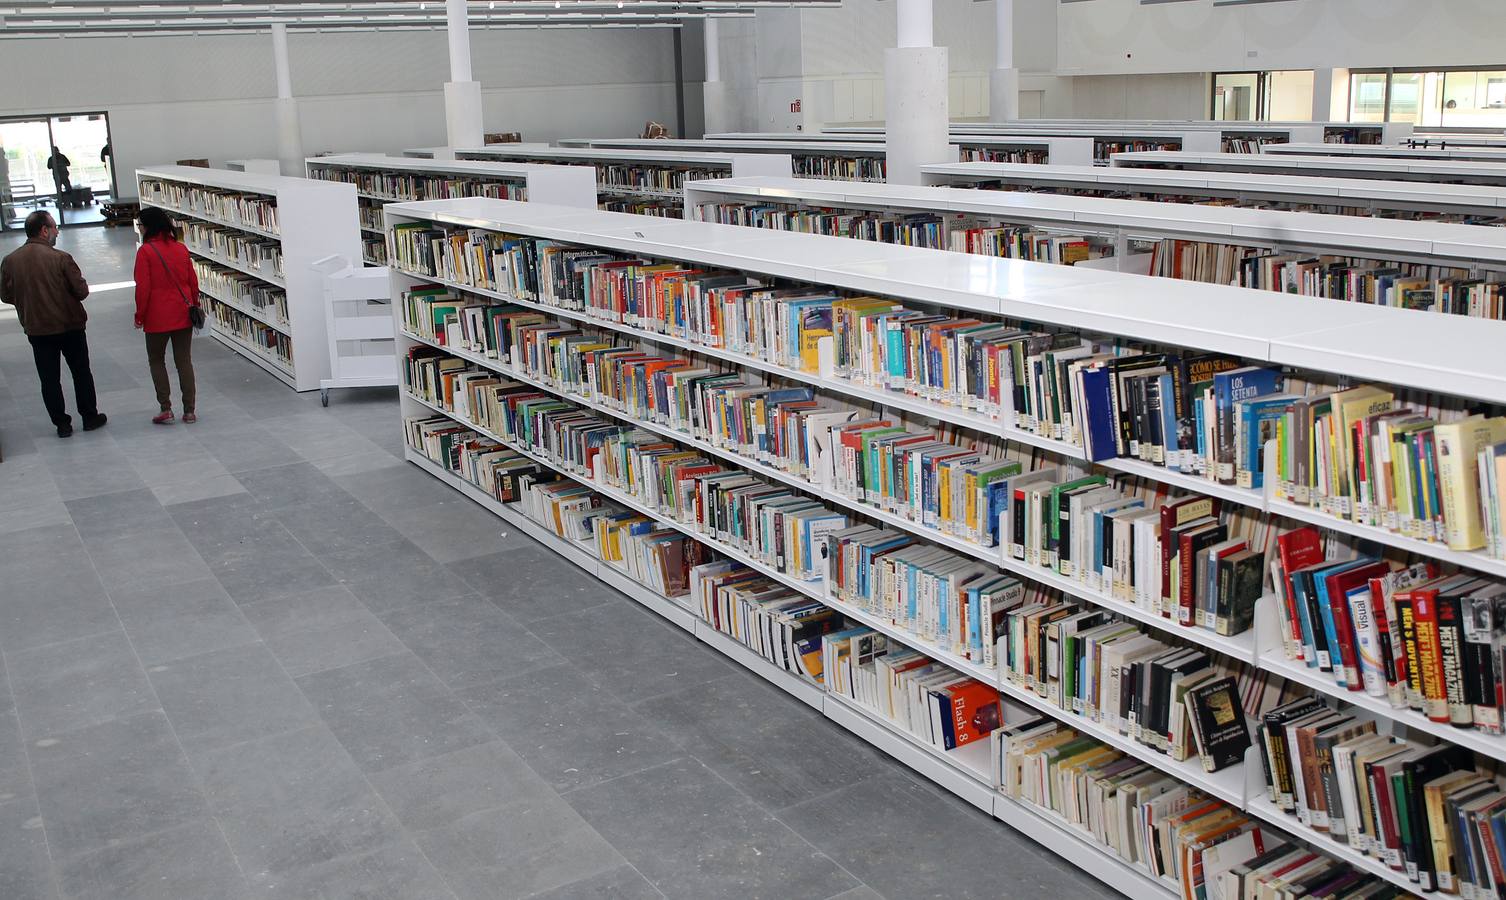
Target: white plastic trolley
(358, 315)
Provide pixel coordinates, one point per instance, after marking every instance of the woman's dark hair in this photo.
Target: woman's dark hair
(156, 222)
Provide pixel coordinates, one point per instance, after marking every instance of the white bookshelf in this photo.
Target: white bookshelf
(1364, 194)
(1405, 349)
(616, 168)
(809, 158)
(255, 166)
(561, 185)
(315, 219)
(1433, 170)
(1120, 221)
(1108, 138)
(1382, 151)
(1068, 151)
(1332, 132)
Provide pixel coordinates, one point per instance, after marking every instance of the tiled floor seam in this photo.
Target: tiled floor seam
(52, 867)
(173, 729)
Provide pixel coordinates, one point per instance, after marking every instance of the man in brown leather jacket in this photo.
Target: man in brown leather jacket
(48, 290)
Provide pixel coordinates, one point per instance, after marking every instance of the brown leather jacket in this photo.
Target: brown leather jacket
(45, 286)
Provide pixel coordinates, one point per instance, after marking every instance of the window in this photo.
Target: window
(1460, 98)
(1261, 96)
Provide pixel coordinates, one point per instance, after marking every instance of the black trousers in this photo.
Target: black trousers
(49, 350)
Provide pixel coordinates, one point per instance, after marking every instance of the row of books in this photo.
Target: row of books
(408, 186)
(1031, 155)
(949, 710)
(652, 177)
(1210, 850)
(251, 251)
(773, 524)
(1362, 453)
(959, 234)
(374, 250)
(257, 336)
(267, 299)
(1250, 144)
(1441, 289)
(370, 214)
(255, 210)
(642, 206)
(1422, 641)
(1103, 148)
(840, 168)
(929, 700)
(1192, 195)
(1419, 810)
(1108, 538)
(1081, 659)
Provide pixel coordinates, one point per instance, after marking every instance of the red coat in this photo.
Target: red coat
(161, 289)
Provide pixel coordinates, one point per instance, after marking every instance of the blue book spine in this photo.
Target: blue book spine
(1169, 421)
(1099, 431)
(895, 353)
(1331, 634)
(974, 612)
(1309, 646)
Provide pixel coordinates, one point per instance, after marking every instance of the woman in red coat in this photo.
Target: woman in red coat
(166, 285)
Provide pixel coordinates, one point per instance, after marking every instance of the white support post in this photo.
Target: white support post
(915, 97)
(1323, 95)
(462, 96)
(289, 130)
(716, 100)
(1004, 80)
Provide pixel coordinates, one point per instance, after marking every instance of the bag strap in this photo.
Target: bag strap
(170, 277)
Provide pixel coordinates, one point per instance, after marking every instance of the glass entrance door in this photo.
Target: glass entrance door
(71, 183)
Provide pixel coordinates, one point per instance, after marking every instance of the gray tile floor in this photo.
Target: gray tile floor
(260, 656)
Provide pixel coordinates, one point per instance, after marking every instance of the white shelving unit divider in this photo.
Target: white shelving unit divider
(316, 219)
(1456, 171)
(255, 166)
(1190, 186)
(1392, 151)
(1439, 243)
(733, 164)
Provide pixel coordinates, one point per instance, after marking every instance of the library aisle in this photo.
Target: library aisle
(263, 656)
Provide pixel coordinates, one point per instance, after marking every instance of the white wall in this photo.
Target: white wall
(1124, 36)
(1182, 96)
(180, 97)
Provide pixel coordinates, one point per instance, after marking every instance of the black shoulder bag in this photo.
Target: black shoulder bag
(195, 311)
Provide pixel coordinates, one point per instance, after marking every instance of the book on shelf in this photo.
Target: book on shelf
(1424, 812)
(230, 206)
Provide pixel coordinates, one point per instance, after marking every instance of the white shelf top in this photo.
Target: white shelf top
(1349, 234)
(1407, 347)
(226, 179)
(518, 171)
(602, 154)
(842, 148)
(868, 137)
(1255, 162)
(1484, 197)
(1484, 154)
(1114, 129)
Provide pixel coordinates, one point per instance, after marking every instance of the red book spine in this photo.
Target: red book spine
(1344, 627)
(1380, 792)
(1430, 655)
(1184, 589)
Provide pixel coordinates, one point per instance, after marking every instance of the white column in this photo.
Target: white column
(1004, 80)
(1330, 85)
(915, 97)
(716, 99)
(915, 21)
(462, 96)
(289, 130)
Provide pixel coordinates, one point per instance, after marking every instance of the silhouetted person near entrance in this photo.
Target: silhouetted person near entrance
(59, 164)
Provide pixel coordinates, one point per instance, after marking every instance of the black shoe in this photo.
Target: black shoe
(65, 431)
(95, 421)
